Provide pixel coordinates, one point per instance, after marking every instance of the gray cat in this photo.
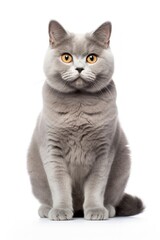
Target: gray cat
(79, 158)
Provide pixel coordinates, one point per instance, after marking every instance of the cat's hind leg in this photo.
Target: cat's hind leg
(38, 179)
(44, 211)
(117, 180)
(111, 210)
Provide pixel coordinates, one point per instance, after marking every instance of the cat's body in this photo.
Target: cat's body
(78, 157)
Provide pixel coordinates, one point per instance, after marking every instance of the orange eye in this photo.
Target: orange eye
(66, 58)
(92, 58)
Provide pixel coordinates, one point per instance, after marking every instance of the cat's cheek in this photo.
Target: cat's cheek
(98, 66)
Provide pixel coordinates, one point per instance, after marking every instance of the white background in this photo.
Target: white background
(135, 43)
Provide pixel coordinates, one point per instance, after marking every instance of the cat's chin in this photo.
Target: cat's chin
(79, 84)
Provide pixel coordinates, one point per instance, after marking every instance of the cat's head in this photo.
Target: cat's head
(79, 62)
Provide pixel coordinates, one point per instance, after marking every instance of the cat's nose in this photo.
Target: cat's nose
(79, 69)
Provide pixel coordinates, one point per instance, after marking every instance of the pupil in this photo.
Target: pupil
(66, 57)
(91, 58)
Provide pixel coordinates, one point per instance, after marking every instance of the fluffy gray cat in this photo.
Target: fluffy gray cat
(79, 159)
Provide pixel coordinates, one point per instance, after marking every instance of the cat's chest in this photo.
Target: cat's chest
(79, 115)
(78, 118)
(80, 126)
(82, 132)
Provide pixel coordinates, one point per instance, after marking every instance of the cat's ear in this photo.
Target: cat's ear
(103, 33)
(56, 32)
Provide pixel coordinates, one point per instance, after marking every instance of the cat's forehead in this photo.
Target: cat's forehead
(80, 45)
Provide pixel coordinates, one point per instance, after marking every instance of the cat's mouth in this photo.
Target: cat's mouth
(79, 80)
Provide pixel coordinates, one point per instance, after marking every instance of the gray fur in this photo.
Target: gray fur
(79, 157)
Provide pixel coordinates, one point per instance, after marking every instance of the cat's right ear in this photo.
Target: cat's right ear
(56, 32)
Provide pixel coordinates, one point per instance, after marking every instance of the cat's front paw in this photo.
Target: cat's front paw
(60, 214)
(96, 214)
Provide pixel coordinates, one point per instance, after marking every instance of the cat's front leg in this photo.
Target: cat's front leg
(60, 186)
(94, 190)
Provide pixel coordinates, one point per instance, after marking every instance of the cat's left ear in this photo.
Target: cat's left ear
(56, 32)
(103, 33)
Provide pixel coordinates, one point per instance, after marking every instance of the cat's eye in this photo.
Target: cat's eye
(66, 58)
(92, 58)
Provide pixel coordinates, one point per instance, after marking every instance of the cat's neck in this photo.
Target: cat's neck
(56, 105)
(107, 93)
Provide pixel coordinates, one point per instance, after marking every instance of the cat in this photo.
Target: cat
(78, 158)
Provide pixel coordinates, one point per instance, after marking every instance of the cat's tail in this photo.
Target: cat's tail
(129, 206)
